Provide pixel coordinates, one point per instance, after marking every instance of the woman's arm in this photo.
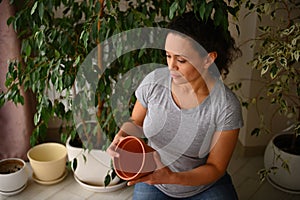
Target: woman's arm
(138, 114)
(214, 168)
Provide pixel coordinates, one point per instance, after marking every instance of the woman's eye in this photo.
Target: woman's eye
(181, 61)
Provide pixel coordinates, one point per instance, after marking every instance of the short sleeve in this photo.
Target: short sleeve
(231, 115)
(143, 91)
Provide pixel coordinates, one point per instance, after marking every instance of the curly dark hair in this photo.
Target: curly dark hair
(210, 37)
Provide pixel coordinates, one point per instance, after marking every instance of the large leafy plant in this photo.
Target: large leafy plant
(57, 35)
(277, 62)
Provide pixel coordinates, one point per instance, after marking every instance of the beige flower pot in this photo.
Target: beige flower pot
(48, 161)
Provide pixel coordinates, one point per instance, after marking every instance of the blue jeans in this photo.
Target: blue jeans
(223, 189)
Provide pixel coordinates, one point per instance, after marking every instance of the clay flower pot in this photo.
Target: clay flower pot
(135, 160)
(48, 162)
(13, 176)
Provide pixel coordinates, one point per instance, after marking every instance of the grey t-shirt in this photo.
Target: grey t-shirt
(183, 136)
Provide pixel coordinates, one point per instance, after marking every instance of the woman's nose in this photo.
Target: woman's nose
(172, 64)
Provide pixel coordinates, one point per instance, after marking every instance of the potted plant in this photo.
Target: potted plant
(89, 161)
(277, 62)
(58, 37)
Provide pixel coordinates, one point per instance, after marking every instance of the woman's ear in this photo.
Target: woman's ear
(210, 59)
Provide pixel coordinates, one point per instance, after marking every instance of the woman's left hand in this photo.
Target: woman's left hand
(161, 175)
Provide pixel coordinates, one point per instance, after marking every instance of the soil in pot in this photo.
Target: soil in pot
(285, 143)
(13, 176)
(88, 137)
(10, 166)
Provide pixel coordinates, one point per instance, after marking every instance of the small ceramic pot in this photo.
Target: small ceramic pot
(135, 159)
(13, 175)
(48, 161)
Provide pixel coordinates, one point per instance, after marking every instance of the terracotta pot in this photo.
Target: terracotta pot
(135, 160)
(48, 161)
(13, 176)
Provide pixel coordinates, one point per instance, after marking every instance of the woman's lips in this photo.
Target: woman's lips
(173, 75)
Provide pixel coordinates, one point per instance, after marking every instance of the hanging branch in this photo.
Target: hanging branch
(100, 103)
(99, 53)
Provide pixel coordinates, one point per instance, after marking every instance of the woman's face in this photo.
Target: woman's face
(184, 62)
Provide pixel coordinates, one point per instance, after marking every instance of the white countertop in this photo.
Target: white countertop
(68, 189)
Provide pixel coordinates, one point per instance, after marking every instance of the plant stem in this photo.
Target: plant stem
(100, 103)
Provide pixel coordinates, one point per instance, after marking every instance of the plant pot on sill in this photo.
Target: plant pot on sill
(284, 179)
(92, 167)
(13, 176)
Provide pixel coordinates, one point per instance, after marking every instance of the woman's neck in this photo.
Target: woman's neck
(192, 94)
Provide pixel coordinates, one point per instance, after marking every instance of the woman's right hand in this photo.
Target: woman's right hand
(111, 150)
(126, 129)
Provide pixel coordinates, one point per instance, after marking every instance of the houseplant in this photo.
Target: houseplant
(277, 62)
(57, 36)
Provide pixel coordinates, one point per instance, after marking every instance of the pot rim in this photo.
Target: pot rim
(43, 144)
(19, 171)
(279, 149)
(120, 172)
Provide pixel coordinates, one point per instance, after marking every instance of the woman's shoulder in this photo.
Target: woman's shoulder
(157, 76)
(160, 72)
(224, 95)
(230, 94)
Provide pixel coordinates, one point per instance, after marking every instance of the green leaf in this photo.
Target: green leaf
(74, 164)
(202, 9)
(119, 50)
(69, 165)
(182, 5)
(285, 166)
(173, 9)
(127, 84)
(283, 61)
(97, 7)
(20, 99)
(208, 10)
(34, 8)
(233, 10)
(107, 180)
(141, 52)
(41, 10)
(27, 50)
(36, 118)
(274, 71)
(255, 132)
(113, 174)
(10, 20)
(264, 69)
(297, 55)
(84, 158)
(262, 174)
(2, 100)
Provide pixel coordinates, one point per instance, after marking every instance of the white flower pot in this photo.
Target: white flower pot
(13, 176)
(283, 179)
(92, 166)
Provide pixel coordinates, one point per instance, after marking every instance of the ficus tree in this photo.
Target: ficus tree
(57, 35)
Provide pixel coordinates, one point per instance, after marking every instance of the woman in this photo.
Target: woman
(188, 116)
